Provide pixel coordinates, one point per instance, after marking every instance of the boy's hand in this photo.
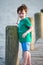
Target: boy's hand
(24, 35)
(16, 22)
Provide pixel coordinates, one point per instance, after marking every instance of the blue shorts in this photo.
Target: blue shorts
(25, 46)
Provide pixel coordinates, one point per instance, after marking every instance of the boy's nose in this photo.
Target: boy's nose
(21, 14)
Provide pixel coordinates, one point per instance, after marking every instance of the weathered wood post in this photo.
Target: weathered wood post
(12, 46)
(39, 25)
(33, 33)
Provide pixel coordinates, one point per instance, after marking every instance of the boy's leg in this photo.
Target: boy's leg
(26, 53)
(25, 58)
(29, 59)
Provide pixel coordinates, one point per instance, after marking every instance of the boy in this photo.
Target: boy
(24, 29)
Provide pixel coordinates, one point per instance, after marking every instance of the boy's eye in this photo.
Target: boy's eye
(21, 13)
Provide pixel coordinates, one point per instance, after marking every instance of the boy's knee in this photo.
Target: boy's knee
(26, 54)
(29, 53)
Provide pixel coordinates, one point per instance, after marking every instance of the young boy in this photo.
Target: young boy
(24, 31)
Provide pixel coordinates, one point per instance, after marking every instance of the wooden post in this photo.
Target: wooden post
(39, 25)
(41, 17)
(33, 33)
(12, 46)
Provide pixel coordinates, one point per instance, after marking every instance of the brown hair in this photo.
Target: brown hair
(21, 8)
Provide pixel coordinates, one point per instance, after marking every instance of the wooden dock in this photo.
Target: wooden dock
(37, 54)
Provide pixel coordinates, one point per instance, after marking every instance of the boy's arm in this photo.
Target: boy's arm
(29, 25)
(17, 21)
(28, 31)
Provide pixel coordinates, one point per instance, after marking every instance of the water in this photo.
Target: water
(2, 52)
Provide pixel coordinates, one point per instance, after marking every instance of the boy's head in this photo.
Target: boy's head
(22, 11)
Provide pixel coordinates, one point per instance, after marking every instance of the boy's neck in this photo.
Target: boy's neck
(23, 18)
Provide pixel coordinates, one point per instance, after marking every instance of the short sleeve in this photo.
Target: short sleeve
(28, 22)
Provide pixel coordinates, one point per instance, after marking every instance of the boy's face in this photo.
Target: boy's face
(22, 14)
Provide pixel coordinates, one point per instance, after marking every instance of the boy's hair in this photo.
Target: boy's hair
(21, 8)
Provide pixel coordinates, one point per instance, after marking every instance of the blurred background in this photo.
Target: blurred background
(8, 16)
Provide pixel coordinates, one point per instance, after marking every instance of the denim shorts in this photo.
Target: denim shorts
(25, 46)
